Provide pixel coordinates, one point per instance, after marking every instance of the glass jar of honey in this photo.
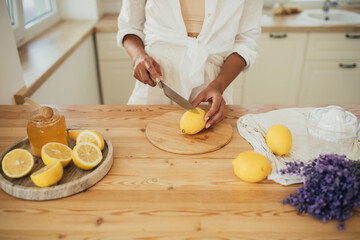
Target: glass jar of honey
(43, 130)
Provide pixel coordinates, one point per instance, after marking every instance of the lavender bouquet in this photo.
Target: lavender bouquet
(331, 188)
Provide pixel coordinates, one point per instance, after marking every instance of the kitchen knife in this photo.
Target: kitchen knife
(175, 97)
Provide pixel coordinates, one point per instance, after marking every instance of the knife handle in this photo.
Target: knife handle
(159, 84)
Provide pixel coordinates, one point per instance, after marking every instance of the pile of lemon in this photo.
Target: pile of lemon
(86, 155)
(251, 166)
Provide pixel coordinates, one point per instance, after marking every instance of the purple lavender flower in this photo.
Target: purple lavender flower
(331, 188)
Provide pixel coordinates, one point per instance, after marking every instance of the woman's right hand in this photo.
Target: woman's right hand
(145, 65)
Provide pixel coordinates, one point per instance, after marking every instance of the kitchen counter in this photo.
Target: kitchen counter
(290, 23)
(153, 194)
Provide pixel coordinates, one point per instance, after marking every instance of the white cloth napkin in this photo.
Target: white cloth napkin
(253, 128)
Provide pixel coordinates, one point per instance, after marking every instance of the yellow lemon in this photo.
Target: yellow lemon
(52, 152)
(251, 166)
(279, 139)
(92, 137)
(17, 163)
(73, 134)
(86, 155)
(192, 122)
(48, 175)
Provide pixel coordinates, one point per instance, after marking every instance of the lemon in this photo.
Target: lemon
(73, 134)
(52, 152)
(48, 175)
(279, 139)
(192, 122)
(251, 166)
(86, 155)
(92, 137)
(17, 163)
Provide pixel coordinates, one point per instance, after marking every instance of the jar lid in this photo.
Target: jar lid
(332, 120)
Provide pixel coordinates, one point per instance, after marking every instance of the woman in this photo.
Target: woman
(200, 69)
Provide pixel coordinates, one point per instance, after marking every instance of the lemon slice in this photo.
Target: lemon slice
(17, 163)
(52, 152)
(91, 137)
(48, 175)
(86, 155)
(73, 134)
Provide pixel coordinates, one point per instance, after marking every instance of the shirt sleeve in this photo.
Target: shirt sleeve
(131, 20)
(249, 31)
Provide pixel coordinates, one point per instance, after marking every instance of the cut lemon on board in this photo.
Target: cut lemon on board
(73, 134)
(192, 123)
(48, 175)
(86, 155)
(17, 163)
(52, 152)
(91, 137)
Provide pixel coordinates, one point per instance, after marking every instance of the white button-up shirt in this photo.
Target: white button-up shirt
(230, 26)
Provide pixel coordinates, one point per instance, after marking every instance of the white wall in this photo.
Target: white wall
(11, 77)
(111, 6)
(80, 9)
(74, 82)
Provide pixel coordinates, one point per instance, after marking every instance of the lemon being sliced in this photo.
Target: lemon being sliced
(17, 163)
(52, 152)
(192, 123)
(91, 137)
(48, 175)
(73, 134)
(86, 155)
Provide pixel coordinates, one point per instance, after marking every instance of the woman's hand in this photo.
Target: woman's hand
(213, 96)
(145, 65)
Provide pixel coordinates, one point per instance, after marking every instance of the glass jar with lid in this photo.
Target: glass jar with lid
(333, 130)
(43, 130)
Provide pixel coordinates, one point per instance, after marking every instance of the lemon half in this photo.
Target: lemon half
(48, 175)
(73, 134)
(92, 137)
(86, 155)
(52, 152)
(17, 163)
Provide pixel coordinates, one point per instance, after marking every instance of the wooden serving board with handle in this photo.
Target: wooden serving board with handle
(74, 179)
(164, 132)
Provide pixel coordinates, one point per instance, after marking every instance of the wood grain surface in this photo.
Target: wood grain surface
(153, 194)
(74, 179)
(164, 132)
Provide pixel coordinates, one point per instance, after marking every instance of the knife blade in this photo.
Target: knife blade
(175, 97)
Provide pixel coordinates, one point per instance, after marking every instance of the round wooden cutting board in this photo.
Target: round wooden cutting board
(164, 132)
(74, 179)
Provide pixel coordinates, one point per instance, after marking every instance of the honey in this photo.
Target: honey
(43, 130)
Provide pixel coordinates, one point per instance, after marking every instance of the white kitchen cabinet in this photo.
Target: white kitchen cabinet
(116, 70)
(275, 76)
(332, 69)
(325, 82)
(237, 88)
(117, 81)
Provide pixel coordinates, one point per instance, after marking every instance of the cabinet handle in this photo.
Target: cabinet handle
(352, 36)
(278, 36)
(347, 65)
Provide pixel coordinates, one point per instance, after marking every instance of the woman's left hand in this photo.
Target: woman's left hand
(213, 96)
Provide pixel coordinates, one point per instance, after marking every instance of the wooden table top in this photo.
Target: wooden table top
(153, 194)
